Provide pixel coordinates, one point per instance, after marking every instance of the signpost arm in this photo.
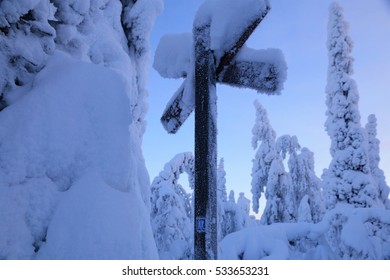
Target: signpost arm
(176, 112)
(227, 58)
(205, 231)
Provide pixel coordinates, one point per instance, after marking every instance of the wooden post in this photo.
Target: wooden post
(200, 95)
(205, 229)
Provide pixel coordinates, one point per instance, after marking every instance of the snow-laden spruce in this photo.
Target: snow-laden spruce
(73, 182)
(308, 186)
(264, 139)
(304, 200)
(278, 208)
(235, 217)
(221, 199)
(348, 180)
(268, 173)
(172, 209)
(290, 195)
(232, 215)
(374, 158)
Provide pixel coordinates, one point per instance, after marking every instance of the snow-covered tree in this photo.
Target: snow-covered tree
(264, 139)
(348, 179)
(277, 209)
(126, 25)
(26, 40)
(374, 158)
(73, 142)
(243, 203)
(221, 198)
(232, 219)
(172, 210)
(268, 171)
(308, 186)
(305, 192)
(287, 144)
(232, 215)
(137, 21)
(291, 196)
(304, 196)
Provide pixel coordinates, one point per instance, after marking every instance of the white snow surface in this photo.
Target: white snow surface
(94, 221)
(228, 19)
(173, 56)
(70, 166)
(363, 233)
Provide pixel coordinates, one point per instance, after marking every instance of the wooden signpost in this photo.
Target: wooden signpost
(229, 70)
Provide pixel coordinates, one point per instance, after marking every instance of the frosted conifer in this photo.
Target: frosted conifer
(233, 220)
(171, 212)
(308, 185)
(221, 198)
(348, 179)
(264, 139)
(374, 158)
(278, 184)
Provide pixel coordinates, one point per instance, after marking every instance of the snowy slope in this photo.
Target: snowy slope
(72, 167)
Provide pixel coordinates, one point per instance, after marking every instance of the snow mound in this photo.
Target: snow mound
(112, 230)
(344, 233)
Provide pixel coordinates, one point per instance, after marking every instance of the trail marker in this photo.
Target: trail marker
(198, 92)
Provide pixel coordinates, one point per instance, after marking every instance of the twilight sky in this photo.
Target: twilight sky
(299, 29)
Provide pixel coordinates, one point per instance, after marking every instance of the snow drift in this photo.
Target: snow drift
(344, 233)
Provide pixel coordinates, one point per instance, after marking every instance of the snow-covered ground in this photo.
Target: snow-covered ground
(362, 234)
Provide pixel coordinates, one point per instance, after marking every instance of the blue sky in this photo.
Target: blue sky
(299, 29)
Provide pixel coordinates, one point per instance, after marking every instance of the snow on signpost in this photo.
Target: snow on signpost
(214, 53)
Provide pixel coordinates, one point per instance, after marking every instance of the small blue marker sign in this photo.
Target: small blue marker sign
(200, 225)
